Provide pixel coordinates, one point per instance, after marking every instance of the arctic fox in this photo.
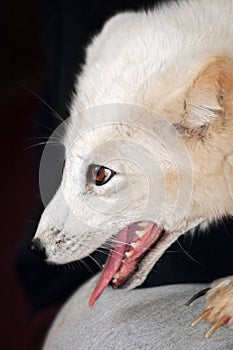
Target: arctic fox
(149, 144)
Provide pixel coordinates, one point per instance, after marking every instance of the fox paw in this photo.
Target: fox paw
(219, 304)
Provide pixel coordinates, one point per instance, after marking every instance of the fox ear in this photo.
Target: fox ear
(207, 98)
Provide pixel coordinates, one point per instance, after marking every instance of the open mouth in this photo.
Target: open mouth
(131, 246)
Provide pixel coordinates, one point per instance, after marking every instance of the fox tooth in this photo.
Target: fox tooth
(134, 245)
(129, 254)
(116, 276)
(143, 224)
(140, 233)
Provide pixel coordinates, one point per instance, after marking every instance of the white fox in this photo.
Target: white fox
(149, 144)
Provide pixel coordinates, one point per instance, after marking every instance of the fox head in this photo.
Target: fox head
(143, 164)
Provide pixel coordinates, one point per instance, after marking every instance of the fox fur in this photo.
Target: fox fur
(164, 74)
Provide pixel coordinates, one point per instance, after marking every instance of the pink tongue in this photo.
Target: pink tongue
(111, 266)
(117, 261)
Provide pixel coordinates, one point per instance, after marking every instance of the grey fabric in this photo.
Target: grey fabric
(153, 318)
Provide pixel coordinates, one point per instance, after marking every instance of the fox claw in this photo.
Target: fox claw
(219, 305)
(224, 320)
(202, 317)
(197, 295)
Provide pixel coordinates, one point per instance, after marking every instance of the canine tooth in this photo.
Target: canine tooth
(128, 254)
(143, 224)
(140, 233)
(134, 245)
(116, 276)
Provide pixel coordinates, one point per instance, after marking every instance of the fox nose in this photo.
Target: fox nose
(36, 247)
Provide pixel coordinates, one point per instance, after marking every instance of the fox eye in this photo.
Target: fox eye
(99, 175)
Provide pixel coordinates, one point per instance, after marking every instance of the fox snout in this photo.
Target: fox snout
(37, 248)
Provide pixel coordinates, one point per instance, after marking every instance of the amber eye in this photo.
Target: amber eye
(99, 175)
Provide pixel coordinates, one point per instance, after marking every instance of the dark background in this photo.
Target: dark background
(22, 64)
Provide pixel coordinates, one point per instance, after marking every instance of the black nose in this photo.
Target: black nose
(36, 247)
